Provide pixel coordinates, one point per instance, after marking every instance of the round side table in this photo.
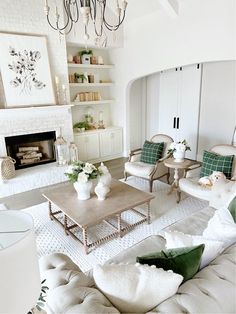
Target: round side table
(171, 163)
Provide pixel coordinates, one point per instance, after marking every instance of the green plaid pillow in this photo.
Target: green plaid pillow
(151, 152)
(214, 162)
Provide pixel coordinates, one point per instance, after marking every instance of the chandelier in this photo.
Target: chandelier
(94, 10)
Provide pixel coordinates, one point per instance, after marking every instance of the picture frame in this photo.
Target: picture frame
(25, 70)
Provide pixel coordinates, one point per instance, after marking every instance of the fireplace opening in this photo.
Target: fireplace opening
(31, 149)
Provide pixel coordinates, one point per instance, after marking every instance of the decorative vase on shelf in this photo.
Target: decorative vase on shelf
(83, 189)
(179, 156)
(101, 190)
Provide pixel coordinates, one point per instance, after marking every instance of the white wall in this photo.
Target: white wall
(218, 104)
(204, 31)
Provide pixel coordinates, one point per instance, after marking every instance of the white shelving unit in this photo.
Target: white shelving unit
(98, 144)
(91, 84)
(91, 66)
(98, 102)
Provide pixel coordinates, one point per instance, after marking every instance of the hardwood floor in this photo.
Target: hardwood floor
(34, 197)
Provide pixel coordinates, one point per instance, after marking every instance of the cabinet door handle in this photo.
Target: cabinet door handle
(178, 123)
(174, 122)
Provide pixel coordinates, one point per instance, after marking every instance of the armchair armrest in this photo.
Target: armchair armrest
(193, 171)
(134, 154)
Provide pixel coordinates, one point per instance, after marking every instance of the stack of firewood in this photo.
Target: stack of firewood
(29, 155)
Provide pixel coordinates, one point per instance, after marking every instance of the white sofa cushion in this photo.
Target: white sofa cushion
(212, 248)
(221, 227)
(135, 288)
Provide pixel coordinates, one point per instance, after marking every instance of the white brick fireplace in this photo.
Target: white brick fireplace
(29, 121)
(34, 120)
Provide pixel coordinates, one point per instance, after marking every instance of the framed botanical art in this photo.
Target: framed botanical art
(25, 70)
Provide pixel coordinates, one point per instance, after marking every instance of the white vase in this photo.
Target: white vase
(179, 156)
(83, 189)
(101, 191)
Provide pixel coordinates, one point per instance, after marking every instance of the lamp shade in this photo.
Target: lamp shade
(19, 271)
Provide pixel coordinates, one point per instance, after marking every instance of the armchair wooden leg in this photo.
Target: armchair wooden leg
(125, 175)
(168, 176)
(150, 185)
(178, 196)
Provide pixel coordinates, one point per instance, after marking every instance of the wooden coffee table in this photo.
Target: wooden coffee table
(85, 214)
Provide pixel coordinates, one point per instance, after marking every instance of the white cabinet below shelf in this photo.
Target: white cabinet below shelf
(110, 143)
(88, 146)
(99, 145)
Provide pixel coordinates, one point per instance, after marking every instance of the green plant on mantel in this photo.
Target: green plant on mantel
(80, 125)
(85, 52)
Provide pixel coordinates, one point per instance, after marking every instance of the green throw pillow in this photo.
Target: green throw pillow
(214, 162)
(184, 261)
(151, 152)
(232, 208)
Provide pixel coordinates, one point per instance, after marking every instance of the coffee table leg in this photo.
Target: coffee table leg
(50, 210)
(65, 225)
(85, 241)
(148, 213)
(119, 225)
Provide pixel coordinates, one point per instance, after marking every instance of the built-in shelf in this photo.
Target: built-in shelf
(90, 84)
(95, 102)
(91, 66)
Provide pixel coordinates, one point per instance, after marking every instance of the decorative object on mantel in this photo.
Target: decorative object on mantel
(7, 168)
(178, 150)
(86, 9)
(61, 151)
(25, 70)
(81, 175)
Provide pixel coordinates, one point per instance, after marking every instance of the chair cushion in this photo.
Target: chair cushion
(139, 169)
(191, 187)
(151, 152)
(184, 261)
(214, 162)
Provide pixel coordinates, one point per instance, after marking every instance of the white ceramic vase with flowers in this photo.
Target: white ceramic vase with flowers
(178, 149)
(81, 174)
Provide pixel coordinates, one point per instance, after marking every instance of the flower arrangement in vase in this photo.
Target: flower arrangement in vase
(178, 149)
(81, 175)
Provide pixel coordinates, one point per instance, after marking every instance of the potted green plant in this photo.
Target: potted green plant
(80, 77)
(81, 126)
(85, 55)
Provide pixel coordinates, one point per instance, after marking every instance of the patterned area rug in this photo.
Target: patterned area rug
(164, 212)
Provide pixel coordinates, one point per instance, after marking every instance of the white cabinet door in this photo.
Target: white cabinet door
(168, 103)
(88, 146)
(111, 143)
(179, 105)
(188, 109)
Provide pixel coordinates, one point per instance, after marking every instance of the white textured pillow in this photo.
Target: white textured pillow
(212, 248)
(221, 227)
(135, 288)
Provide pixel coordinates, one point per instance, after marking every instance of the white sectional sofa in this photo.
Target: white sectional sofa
(211, 290)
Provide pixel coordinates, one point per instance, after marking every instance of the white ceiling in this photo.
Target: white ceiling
(139, 8)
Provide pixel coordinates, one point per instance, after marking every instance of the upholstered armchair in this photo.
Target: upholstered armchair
(148, 171)
(189, 184)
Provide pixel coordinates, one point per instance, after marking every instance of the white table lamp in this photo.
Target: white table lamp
(19, 271)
